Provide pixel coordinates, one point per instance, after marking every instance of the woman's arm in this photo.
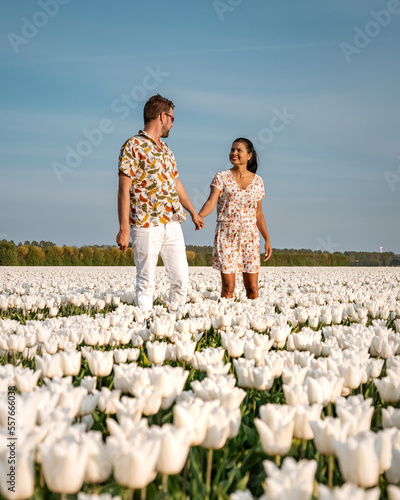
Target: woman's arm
(209, 205)
(262, 227)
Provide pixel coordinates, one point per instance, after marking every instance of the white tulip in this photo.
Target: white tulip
(50, 365)
(156, 352)
(327, 431)
(390, 417)
(26, 379)
(108, 400)
(304, 414)
(348, 490)
(357, 411)
(218, 428)
(276, 434)
(393, 492)
(64, 464)
(151, 398)
(293, 481)
(100, 363)
(134, 461)
(175, 445)
(194, 418)
(393, 474)
(70, 362)
(98, 465)
(389, 389)
(364, 457)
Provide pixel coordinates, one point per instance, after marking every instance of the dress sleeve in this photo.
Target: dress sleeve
(217, 182)
(261, 192)
(127, 159)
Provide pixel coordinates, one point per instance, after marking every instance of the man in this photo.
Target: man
(151, 199)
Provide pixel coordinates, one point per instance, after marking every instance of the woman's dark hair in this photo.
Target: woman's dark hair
(252, 164)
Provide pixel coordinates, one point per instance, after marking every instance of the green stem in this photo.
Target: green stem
(186, 474)
(143, 493)
(303, 446)
(331, 459)
(278, 460)
(209, 468)
(164, 486)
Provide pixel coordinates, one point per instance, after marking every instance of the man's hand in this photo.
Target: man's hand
(268, 250)
(123, 239)
(198, 221)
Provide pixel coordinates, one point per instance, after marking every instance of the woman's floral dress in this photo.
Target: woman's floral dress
(237, 241)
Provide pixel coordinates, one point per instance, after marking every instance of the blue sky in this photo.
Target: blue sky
(314, 84)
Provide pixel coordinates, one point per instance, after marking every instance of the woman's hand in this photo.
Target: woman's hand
(267, 250)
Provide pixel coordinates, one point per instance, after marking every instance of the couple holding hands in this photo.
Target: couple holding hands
(151, 203)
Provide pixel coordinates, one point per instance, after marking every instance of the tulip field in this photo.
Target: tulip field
(294, 395)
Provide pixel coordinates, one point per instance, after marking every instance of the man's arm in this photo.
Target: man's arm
(124, 187)
(187, 204)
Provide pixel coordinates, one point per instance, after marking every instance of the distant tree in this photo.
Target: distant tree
(8, 254)
(35, 256)
(54, 256)
(22, 252)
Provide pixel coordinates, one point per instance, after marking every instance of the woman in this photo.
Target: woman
(239, 192)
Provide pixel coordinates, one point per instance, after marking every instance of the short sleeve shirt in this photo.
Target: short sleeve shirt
(153, 196)
(237, 205)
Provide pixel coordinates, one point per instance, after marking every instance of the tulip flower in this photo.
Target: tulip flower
(108, 399)
(185, 350)
(26, 379)
(327, 431)
(194, 418)
(393, 474)
(70, 362)
(393, 492)
(390, 417)
(100, 363)
(156, 352)
(364, 457)
(295, 394)
(357, 411)
(241, 495)
(389, 389)
(134, 461)
(64, 464)
(305, 413)
(151, 398)
(131, 408)
(89, 383)
(276, 435)
(322, 390)
(279, 335)
(50, 365)
(98, 465)
(348, 490)
(293, 481)
(175, 445)
(218, 429)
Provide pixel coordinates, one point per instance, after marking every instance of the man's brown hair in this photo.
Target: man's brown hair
(155, 106)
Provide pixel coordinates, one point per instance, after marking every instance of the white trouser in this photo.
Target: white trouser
(148, 243)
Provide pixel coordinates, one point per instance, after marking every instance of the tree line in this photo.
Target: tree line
(46, 253)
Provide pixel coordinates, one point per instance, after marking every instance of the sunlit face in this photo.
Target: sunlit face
(239, 155)
(167, 122)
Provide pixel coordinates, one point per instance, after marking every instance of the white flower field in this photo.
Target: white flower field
(295, 395)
